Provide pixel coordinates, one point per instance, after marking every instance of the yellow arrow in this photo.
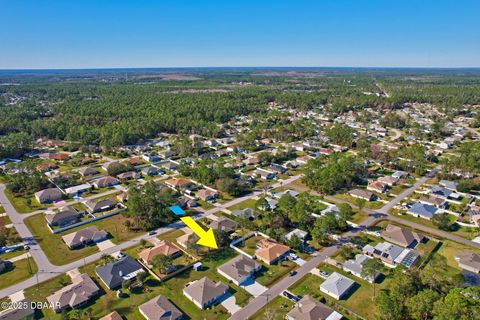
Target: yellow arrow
(207, 238)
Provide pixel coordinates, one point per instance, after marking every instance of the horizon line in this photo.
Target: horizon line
(241, 67)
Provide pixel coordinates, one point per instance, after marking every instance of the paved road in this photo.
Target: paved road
(259, 302)
(48, 271)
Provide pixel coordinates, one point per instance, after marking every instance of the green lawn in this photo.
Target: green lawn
(171, 289)
(25, 204)
(271, 274)
(17, 272)
(57, 251)
(368, 204)
(277, 308)
(250, 245)
(249, 203)
(359, 301)
(2, 210)
(11, 254)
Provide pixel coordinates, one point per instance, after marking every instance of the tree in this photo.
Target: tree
(420, 306)
(222, 238)
(459, 304)
(192, 243)
(126, 284)
(261, 203)
(360, 202)
(143, 243)
(340, 134)
(442, 221)
(163, 263)
(295, 242)
(370, 270)
(141, 277)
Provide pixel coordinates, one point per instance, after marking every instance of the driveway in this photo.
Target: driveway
(230, 303)
(106, 244)
(254, 288)
(299, 261)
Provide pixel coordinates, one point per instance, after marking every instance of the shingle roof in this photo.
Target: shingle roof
(165, 247)
(80, 291)
(113, 273)
(83, 235)
(309, 309)
(205, 290)
(400, 235)
(337, 284)
(160, 308)
(421, 209)
(239, 267)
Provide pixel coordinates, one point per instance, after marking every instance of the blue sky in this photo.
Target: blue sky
(176, 33)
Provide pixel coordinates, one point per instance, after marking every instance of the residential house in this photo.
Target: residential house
(300, 234)
(239, 270)
(151, 171)
(377, 186)
(223, 224)
(392, 255)
(170, 165)
(434, 201)
(88, 171)
(104, 182)
(129, 175)
(205, 292)
(75, 295)
(77, 190)
(178, 184)
(310, 309)
(276, 168)
(337, 285)
(388, 180)
(48, 195)
(355, 267)
(422, 210)
(187, 202)
(400, 174)
(280, 194)
(64, 216)
(207, 194)
(112, 316)
(84, 237)
(264, 174)
(270, 251)
(450, 185)
(102, 205)
(468, 261)
(247, 213)
(362, 194)
(160, 308)
(444, 193)
(402, 237)
(114, 273)
(165, 247)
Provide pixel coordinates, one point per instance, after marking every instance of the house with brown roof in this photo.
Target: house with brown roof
(377, 186)
(240, 269)
(84, 237)
(101, 205)
(270, 251)
(205, 292)
(88, 171)
(207, 194)
(362, 194)
(160, 308)
(434, 201)
(107, 181)
(59, 156)
(62, 217)
(402, 237)
(74, 295)
(388, 180)
(165, 247)
(468, 261)
(310, 309)
(178, 184)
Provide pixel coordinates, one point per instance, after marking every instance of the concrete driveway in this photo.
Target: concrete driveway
(230, 304)
(254, 288)
(106, 244)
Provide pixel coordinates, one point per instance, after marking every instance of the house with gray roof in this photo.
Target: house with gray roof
(422, 210)
(337, 286)
(355, 267)
(74, 295)
(223, 224)
(84, 237)
(401, 236)
(392, 255)
(48, 195)
(247, 213)
(114, 273)
(240, 269)
(468, 261)
(160, 308)
(64, 216)
(102, 205)
(205, 292)
(18, 313)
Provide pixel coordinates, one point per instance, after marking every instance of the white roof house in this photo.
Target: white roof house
(337, 285)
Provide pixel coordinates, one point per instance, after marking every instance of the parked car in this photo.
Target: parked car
(290, 296)
(151, 233)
